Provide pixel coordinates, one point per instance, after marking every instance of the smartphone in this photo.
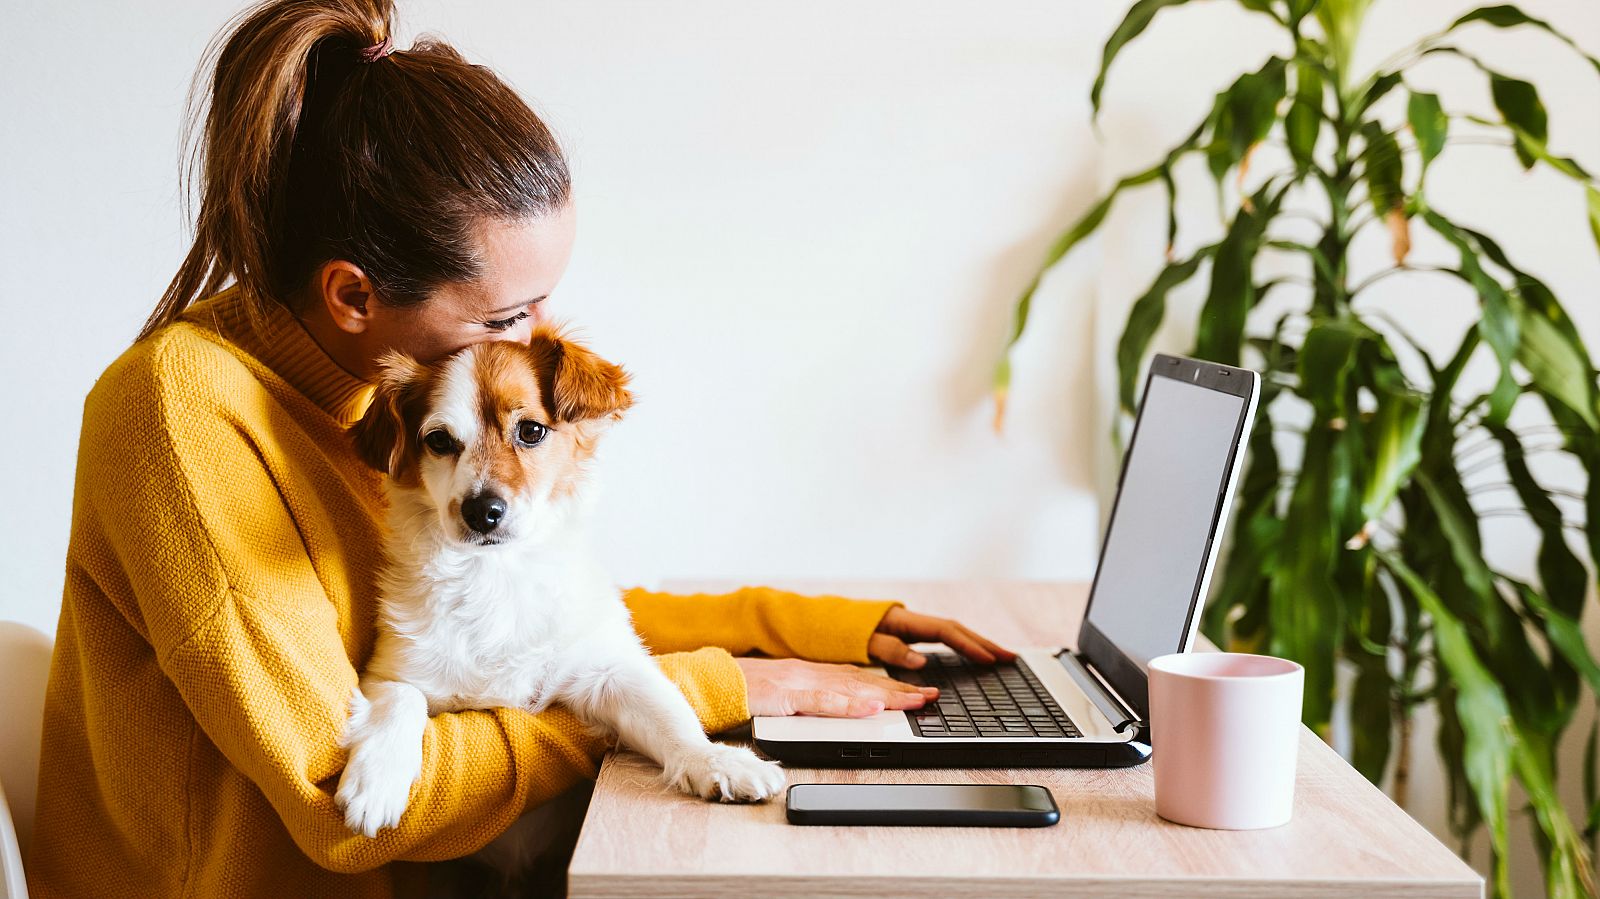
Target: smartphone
(924, 805)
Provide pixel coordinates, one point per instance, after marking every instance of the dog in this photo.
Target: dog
(490, 596)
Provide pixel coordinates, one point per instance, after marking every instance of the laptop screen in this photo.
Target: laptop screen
(1176, 477)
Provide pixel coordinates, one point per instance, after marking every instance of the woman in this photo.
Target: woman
(220, 592)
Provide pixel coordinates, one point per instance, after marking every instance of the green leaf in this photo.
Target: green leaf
(1133, 25)
(1562, 576)
(1506, 16)
(1499, 325)
(1558, 371)
(1378, 87)
(1594, 212)
(1341, 22)
(1459, 529)
(1075, 234)
(1481, 708)
(1383, 169)
(1565, 860)
(1518, 102)
(1468, 586)
(1171, 189)
(1242, 115)
(1549, 344)
(1566, 635)
(1429, 124)
(1305, 610)
(1058, 250)
(1303, 123)
(1299, 9)
(1245, 582)
(1535, 295)
(1232, 293)
(1371, 721)
(1145, 318)
(1524, 143)
(1591, 787)
(1396, 432)
(1464, 815)
(1524, 115)
(1326, 358)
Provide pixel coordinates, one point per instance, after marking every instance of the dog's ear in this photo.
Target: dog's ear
(577, 384)
(384, 438)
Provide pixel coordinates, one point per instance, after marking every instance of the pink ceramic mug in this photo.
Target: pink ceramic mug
(1225, 730)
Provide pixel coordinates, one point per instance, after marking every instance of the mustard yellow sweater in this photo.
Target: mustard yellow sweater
(219, 602)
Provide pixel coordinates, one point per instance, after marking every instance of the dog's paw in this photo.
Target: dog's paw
(375, 787)
(729, 774)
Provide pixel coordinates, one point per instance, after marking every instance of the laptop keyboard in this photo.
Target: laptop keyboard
(983, 701)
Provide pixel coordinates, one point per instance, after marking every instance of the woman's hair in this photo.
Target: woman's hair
(311, 153)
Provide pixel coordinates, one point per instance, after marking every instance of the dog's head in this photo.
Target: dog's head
(496, 436)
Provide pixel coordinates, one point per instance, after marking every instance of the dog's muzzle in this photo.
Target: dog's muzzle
(483, 512)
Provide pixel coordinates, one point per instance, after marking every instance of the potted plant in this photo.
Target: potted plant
(1367, 551)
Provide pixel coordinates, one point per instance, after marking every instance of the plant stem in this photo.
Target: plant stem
(1401, 788)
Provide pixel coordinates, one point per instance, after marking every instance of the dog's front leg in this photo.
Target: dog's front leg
(384, 736)
(629, 694)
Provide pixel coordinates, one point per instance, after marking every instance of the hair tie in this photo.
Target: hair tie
(378, 51)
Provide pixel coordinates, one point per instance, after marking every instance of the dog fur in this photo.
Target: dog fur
(516, 611)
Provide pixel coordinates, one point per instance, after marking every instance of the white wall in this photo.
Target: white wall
(802, 226)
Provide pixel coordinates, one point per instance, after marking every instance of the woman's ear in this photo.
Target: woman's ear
(347, 294)
(577, 384)
(385, 436)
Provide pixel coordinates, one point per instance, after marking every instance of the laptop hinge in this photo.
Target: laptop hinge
(1099, 692)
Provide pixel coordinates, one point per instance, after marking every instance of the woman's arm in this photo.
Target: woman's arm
(211, 569)
(821, 628)
(759, 619)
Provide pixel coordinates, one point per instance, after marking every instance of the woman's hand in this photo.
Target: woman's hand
(902, 627)
(798, 687)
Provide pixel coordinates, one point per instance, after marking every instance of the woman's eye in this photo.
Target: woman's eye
(530, 432)
(503, 324)
(440, 442)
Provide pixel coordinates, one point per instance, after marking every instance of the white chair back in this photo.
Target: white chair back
(12, 884)
(24, 670)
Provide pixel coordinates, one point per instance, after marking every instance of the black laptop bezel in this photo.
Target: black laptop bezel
(1122, 673)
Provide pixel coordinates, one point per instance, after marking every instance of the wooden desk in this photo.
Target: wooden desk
(1346, 839)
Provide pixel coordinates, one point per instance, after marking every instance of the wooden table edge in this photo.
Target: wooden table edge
(583, 885)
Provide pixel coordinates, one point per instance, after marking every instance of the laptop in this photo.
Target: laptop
(1085, 706)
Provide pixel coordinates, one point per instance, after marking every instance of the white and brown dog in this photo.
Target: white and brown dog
(491, 596)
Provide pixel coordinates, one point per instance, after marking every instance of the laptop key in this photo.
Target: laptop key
(1003, 701)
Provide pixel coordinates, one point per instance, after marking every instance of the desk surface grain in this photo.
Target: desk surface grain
(1346, 838)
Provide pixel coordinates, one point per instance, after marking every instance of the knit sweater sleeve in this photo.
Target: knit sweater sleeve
(759, 619)
(239, 620)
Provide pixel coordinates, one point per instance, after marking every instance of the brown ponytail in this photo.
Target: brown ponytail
(311, 153)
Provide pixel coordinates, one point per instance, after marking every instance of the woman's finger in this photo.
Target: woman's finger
(995, 649)
(892, 650)
(956, 637)
(888, 683)
(895, 694)
(832, 704)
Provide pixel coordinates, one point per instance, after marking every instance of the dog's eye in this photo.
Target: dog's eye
(530, 432)
(440, 442)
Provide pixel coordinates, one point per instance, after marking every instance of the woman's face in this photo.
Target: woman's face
(522, 263)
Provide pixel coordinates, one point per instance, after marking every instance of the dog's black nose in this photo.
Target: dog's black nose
(483, 512)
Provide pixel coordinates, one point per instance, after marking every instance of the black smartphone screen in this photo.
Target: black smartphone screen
(948, 805)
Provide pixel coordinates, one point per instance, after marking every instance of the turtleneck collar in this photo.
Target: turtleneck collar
(283, 345)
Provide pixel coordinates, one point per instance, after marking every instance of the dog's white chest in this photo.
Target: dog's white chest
(496, 632)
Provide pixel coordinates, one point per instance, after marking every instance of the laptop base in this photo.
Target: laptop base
(966, 753)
